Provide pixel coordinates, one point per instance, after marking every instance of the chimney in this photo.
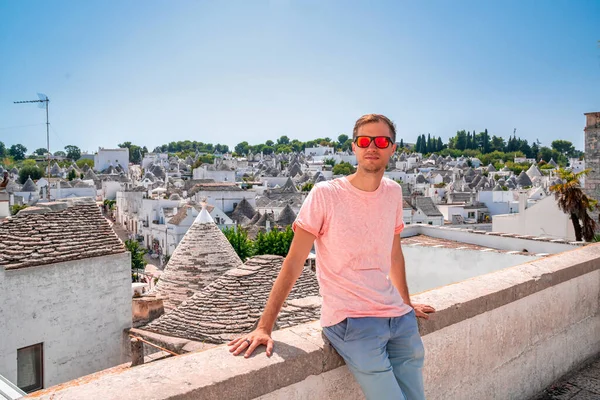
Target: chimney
(522, 202)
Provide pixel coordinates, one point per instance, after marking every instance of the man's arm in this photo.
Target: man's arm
(398, 277)
(290, 272)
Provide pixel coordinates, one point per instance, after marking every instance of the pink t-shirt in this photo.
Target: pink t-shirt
(355, 232)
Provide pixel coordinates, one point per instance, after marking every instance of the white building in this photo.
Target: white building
(104, 158)
(319, 151)
(155, 158)
(63, 315)
(221, 173)
(225, 196)
(542, 218)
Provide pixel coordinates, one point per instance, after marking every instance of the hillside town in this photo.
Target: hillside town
(194, 290)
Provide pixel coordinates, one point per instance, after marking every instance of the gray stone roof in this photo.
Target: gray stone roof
(491, 168)
(533, 171)
(289, 186)
(55, 233)
(29, 186)
(234, 302)
(286, 217)
(89, 174)
(202, 256)
(215, 187)
(264, 218)
(524, 180)
(426, 205)
(255, 218)
(244, 208)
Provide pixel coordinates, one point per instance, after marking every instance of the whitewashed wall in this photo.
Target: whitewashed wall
(77, 309)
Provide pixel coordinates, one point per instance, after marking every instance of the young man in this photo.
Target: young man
(366, 314)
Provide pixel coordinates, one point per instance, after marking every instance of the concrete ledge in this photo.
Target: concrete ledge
(214, 374)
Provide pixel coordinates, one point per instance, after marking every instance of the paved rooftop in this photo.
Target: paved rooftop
(429, 241)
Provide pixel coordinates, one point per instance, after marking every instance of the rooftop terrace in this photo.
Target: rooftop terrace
(505, 329)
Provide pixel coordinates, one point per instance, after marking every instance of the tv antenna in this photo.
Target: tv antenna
(43, 99)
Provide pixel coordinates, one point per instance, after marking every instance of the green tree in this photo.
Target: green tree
(307, 187)
(461, 140)
(40, 152)
(573, 201)
(283, 140)
(329, 161)
(274, 242)
(564, 147)
(72, 175)
(343, 168)
(14, 209)
(269, 143)
(60, 153)
(17, 151)
(238, 238)
(241, 148)
(3, 152)
(30, 171)
(137, 254)
(342, 139)
(84, 161)
(418, 145)
(73, 152)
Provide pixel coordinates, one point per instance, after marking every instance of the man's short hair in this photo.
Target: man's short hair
(372, 118)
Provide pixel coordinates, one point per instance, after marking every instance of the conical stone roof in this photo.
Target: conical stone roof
(255, 218)
(286, 217)
(55, 170)
(233, 303)
(29, 186)
(524, 180)
(89, 174)
(533, 171)
(264, 218)
(289, 186)
(202, 256)
(491, 168)
(244, 208)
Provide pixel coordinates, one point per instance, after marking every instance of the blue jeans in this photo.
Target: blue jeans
(384, 354)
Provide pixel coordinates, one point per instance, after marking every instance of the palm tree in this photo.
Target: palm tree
(573, 201)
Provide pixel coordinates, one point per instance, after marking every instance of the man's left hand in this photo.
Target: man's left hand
(423, 310)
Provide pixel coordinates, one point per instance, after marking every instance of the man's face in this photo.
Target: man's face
(373, 159)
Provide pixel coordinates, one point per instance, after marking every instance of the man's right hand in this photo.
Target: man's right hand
(250, 342)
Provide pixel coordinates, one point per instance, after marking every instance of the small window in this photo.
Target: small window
(30, 368)
(430, 223)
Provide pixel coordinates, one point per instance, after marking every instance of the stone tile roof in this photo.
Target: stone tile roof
(44, 236)
(233, 303)
(287, 216)
(29, 186)
(244, 208)
(202, 256)
(426, 205)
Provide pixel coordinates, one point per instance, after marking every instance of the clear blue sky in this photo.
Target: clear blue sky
(152, 72)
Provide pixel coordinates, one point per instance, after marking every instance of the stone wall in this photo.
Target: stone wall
(507, 334)
(77, 309)
(592, 157)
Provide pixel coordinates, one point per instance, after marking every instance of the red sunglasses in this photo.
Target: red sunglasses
(381, 142)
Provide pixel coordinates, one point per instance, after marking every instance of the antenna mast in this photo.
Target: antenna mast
(43, 99)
